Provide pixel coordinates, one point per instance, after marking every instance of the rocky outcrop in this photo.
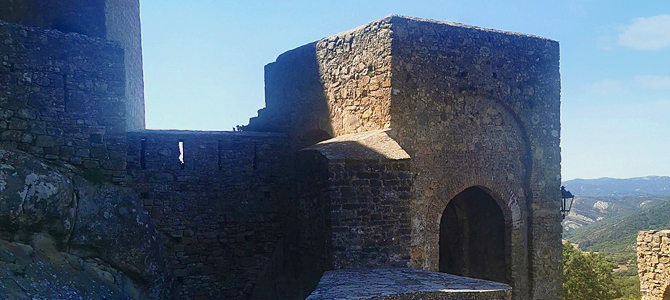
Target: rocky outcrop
(63, 237)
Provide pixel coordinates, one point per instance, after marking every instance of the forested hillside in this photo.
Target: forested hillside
(615, 236)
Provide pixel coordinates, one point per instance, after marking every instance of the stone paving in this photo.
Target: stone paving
(405, 283)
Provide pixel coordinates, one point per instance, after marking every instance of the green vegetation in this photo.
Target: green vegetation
(587, 276)
(627, 284)
(622, 207)
(615, 236)
(614, 239)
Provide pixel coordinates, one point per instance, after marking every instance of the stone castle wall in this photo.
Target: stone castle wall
(222, 209)
(653, 264)
(62, 98)
(414, 112)
(340, 85)
(370, 213)
(122, 23)
(481, 108)
(81, 16)
(115, 20)
(472, 107)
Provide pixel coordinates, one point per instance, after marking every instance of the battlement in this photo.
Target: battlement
(401, 143)
(221, 207)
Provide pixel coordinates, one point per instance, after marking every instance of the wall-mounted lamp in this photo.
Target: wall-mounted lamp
(566, 204)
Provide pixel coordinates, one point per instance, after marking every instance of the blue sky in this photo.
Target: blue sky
(203, 65)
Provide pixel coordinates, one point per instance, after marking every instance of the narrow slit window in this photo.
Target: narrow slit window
(143, 153)
(181, 154)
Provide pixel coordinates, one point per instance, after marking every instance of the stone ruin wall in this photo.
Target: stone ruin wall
(222, 209)
(114, 20)
(653, 264)
(338, 85)
(369, 203)
(472, 107)
(481, 108)
(62, 98)
(123, 26)
(81, 16)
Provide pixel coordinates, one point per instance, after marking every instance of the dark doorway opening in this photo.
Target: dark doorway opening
(666, 295)
(473, 237)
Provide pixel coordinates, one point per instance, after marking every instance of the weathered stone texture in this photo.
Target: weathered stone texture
(472, 107)
(304, 252)
(653, 264)
(340, 85)
(80, 16)
(376, 131)
(480, 107)
(221, 208)
(115, 20)
(62, 98)
(405, 284)
(122, 24)
(370, 213)
(368, 190)
(63, 237)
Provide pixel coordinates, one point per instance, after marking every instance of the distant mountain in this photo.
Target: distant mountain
(598, 199)
(586, 210)
(649, 186)
(615, 236)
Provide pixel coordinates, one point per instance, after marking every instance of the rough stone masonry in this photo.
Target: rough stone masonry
(653, 264)
(402, 143)
(476, 113)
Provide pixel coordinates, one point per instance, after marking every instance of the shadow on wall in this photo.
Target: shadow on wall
(295, 102)
(80, 16)
(296, 105)
(338, 186)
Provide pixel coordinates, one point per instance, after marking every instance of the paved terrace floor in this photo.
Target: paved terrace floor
(405, 284)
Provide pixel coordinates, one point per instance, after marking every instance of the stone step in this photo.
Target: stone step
(405, 284)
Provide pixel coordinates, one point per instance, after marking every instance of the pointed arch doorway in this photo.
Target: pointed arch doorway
(474, 237)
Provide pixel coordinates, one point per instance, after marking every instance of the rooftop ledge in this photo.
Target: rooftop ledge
(405, 283)
(369, 145)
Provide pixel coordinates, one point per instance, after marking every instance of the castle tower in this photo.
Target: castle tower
(444, 152)
(115, 20)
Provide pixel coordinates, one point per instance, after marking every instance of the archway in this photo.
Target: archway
(473, 237)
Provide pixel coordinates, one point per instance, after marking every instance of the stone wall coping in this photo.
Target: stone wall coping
(370, 145)
(387, 282)
(204, 133)
(390, 18)
(466, 26)
(655, 231)
(73, 36)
